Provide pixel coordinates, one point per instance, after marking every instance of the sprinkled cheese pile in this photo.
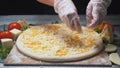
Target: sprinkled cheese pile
(58, 40)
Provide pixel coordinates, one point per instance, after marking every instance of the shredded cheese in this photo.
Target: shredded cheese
(58, 40)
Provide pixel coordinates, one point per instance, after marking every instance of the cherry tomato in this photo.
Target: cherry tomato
(6, 34)
(0, 35)
(106, 23)
(13, 25)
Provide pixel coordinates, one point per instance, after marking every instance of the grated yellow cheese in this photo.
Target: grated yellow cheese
(82, 50)
(61, 52)
(53, 27)
(58, 40)
(76, 38)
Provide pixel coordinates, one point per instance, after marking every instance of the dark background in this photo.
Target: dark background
(28, 7)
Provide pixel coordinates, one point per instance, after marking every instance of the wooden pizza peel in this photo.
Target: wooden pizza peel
(16, 58)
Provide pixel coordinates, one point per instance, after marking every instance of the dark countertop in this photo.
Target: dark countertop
(40, 19)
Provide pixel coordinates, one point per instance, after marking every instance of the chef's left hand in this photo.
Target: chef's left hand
(96, 11)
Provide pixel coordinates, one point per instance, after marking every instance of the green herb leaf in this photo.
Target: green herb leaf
(25, 27)
(97, 30)
(105, 41)
(55, 22)
(4, 51)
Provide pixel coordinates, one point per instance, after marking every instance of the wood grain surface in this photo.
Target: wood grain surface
(17, 58)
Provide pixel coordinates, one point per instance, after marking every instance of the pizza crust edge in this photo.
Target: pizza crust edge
(95, 50)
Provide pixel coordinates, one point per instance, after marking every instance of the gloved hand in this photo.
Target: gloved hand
(96, 11)
(68, 14)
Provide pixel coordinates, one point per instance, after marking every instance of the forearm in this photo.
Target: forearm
(47, 2)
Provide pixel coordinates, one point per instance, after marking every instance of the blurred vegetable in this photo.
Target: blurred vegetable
(102, 26)
(13, 25)
(110, 48)
(24, 24)
(6, 34)
(105, 41)
(4, 51)
(107, 34)
(115, 58)
(25, 27)
(97, 30)
(55, 22)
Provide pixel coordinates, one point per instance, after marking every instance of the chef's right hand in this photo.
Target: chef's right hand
(68, 14)
(96, 12)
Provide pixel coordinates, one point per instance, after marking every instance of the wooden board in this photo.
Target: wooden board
(17, 58)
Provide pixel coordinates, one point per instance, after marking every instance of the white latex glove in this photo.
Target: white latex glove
(68, 14)
(96, 11)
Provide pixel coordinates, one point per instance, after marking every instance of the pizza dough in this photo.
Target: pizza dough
(56, 42)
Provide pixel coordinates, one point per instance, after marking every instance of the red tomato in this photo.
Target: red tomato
(0, 35)
(106, 23)
(6, 34)
(102, 26)
(14, 25)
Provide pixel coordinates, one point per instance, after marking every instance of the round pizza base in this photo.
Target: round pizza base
(93, 51)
